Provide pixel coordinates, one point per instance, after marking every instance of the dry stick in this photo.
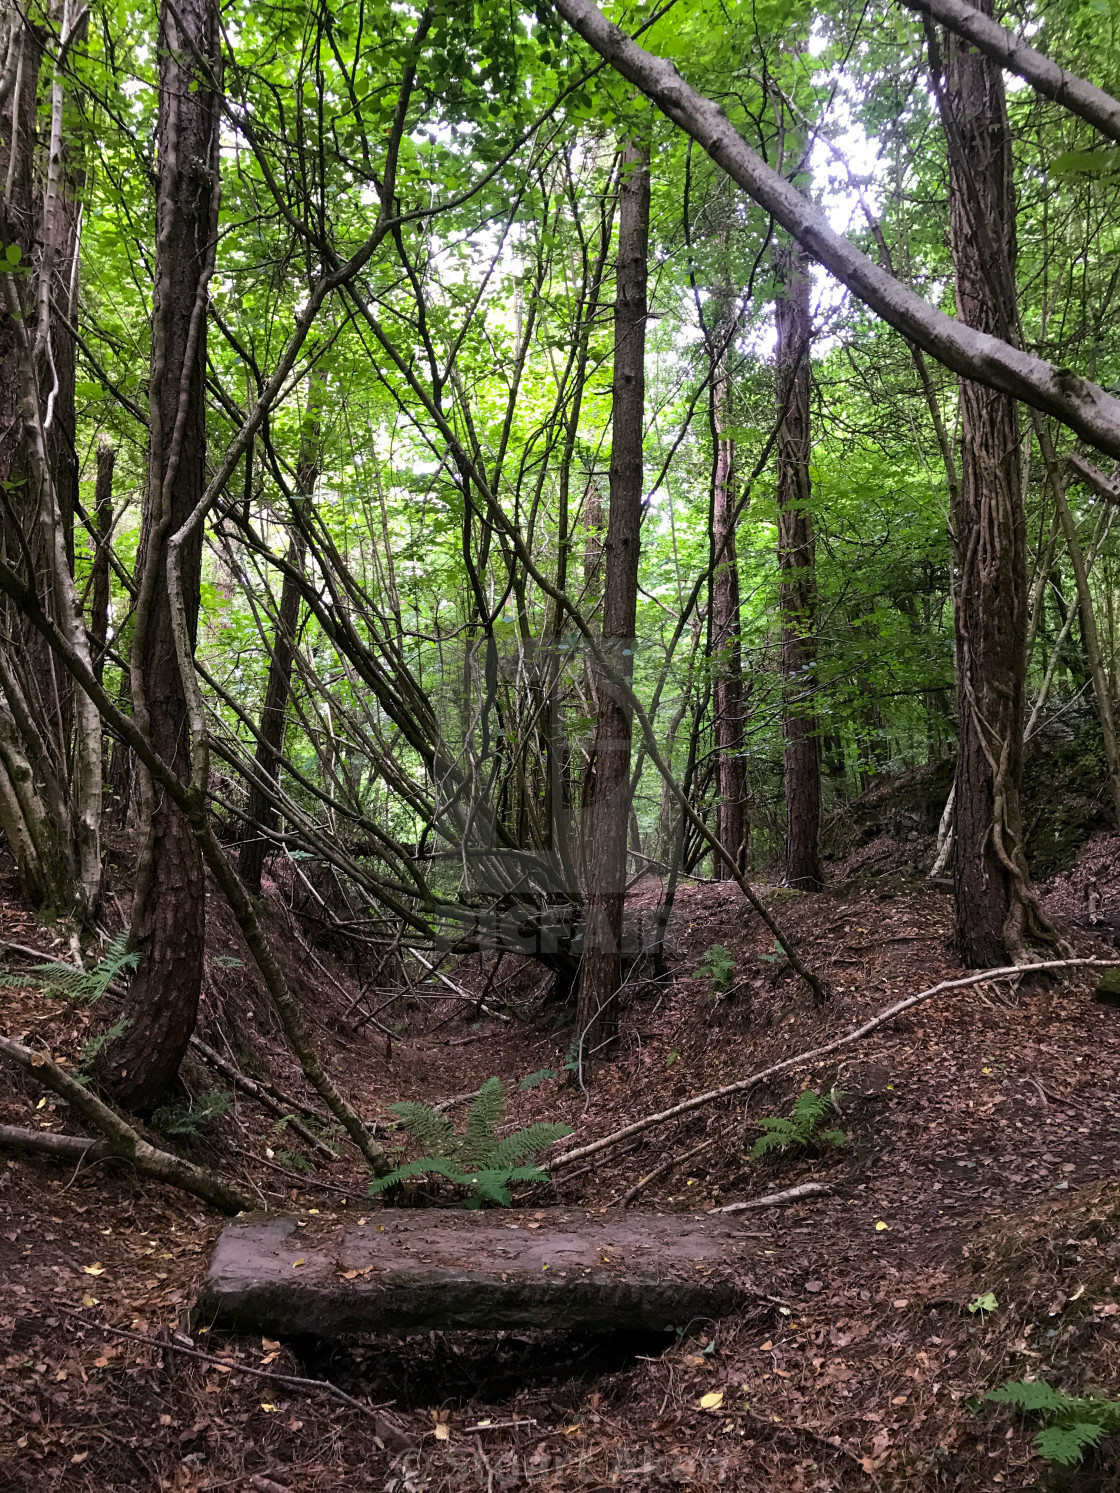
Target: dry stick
(464, 995)
(121, 1139)
(668, 1165)
(810, 1057)
(776, 1199)
(250, 1086)
(48, 1143)
(225, 1068)
(383, 1424)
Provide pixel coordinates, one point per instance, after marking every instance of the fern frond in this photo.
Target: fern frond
(483, 1118)
(767, 1143)
(1031, 1394)
(76, 984)
(832, 1137)
(809, 1110)
(522, 1144)
(426, 1166)
(1066, 1445)
(430, 1128)
(490, 1186)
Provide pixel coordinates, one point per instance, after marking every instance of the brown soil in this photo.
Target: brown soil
(982, 1157)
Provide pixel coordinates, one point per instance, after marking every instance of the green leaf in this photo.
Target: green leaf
(534, 1080)
(1067, 1444)
(1085, 163)
(985, 1303)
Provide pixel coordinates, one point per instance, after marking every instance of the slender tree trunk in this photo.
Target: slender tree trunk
(1058, 479)
(996, 909)
(99, 578)
(270, 744)
(796, 560)
(169, 910)
(59, 730)
(601, 973)
(727, 659)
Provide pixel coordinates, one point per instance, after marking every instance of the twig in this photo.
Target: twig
(383, 1423)
(306, 1184)
(659, 1171)
(251, 1087)
(495, 1425)
(813, 1055)
(463, 995)
(120, 1137)
(776, 1199)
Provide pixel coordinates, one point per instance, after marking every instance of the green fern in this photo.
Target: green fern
(86, 985)
(187, 1121)
(1077, 1422)
(476, 1160)
(94, 1047)
(487, 1111)
(803, 1128)
(717, 967)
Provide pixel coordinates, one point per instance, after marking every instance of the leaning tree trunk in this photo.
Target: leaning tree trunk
(796, 561)
(996, 908)
(270, 741)
(727, 658)
(168, 912)
(601, 973)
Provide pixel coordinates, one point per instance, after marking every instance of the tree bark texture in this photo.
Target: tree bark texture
(270, 744)
(796, 561)
(728, 693)
(99, 593)
(51, 814)
(601, 973)
(995, 907)
(169, 910)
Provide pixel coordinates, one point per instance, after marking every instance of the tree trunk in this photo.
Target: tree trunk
(601, 973)
(270, 744)
(1057, 477)
(796, 560)
(732, 826)
(996, 908)
(99, 592)
(168, 913)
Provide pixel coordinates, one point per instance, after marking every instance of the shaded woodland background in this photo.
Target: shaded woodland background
(490, 541)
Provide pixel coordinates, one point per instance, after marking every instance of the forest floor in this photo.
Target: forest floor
(982, 1164)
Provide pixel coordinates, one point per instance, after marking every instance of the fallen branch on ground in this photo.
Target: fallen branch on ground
(386, 1428)
(255, 1090)
(48, 1143)
(814, 1054)
(776, 1199)
(669, 1164)
(120, 1138)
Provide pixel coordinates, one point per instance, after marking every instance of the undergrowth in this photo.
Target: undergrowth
(475, 1161)
(1075, 1423)
(803, 1128)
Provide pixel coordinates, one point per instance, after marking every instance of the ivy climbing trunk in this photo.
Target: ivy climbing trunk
(997, 910)
(609, 796)
(169, 906)
(797, 564)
